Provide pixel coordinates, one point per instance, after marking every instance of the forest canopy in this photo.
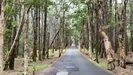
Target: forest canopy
(32, 30)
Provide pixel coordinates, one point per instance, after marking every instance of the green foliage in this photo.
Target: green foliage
(6, 30)
(76, 2)
(30, 68)
(103, 64)
(107, 26)
(7, 10)
(88, 51)
(14, 23)
(78, 18)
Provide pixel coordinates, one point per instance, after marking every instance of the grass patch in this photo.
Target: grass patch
(51, 54)
(51, 50)
(103, 64)
(30, 68)
(87, 51)
(21, 59)
(16, 59)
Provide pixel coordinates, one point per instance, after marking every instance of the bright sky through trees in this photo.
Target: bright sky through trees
(119, 1)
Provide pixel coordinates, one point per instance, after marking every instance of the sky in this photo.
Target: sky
(119, 1)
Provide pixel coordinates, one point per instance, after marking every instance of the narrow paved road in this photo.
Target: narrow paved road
(73, 63)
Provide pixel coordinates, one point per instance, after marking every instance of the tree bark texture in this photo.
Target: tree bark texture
(45, 27)
(26, 50)
(8, 56)
(107, 43)
(2, 24)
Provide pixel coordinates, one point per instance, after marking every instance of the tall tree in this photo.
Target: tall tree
(26, 50)
(35, 26)
(116, 31)
(11, 62)
(8, 56)
(14, 30)
(2, 24)
(45, 27)
(125, 26)
(131, 24)
(39, 34)
(107, 43)
(121, 36)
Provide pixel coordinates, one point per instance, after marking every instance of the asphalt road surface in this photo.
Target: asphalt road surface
(73, 63)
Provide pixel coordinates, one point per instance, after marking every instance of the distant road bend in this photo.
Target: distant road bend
(73, 63)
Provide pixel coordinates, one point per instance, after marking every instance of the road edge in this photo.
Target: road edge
(54, 62)
(93, 62)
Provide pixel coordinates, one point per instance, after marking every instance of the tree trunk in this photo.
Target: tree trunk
(14, 31)
(35, 25)
(11, 62)
(132, 39)
(26, 50)
(116, 31)
(45, 27)
(107, 43)
(63, 29)
(110, 30)
(55, 36)
(97, 37)
(131, 24)
(39, 36)
(106, 21)
(121, 36)
(48, 37)
(8, 56)
(121, 44)
(2, 24)
(92, 29)
(87, 33)
(125, 27)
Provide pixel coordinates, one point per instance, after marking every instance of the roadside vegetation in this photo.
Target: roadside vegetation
(35, 33)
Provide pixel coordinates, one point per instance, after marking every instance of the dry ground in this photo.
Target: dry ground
(19, 65)
(118, 70)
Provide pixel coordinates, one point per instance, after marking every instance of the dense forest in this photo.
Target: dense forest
(32, 31)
